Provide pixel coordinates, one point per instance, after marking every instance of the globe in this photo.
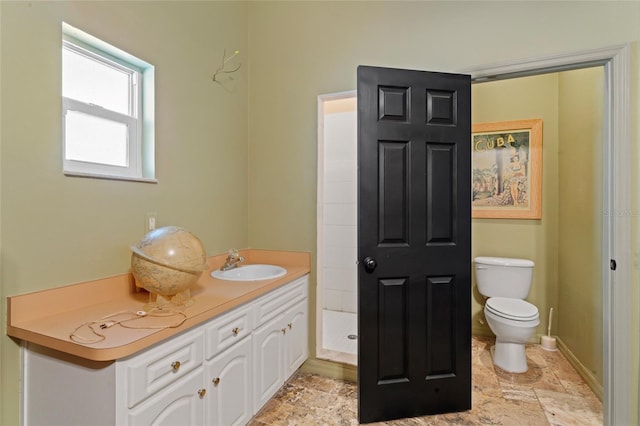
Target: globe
(167, 262)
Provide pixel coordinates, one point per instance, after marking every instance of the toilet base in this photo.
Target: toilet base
(510, 357)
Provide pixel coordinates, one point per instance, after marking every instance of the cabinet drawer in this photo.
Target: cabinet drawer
(227, 329)
(272, 304)
(161, 365)
(178, 404)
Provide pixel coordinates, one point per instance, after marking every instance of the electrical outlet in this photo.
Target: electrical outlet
(150, 221)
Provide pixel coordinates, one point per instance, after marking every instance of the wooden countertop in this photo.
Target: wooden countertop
(48, 317)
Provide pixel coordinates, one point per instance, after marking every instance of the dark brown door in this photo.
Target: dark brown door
(414, 243)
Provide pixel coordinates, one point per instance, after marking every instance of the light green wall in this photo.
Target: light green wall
(579, 307)
(58, 230)
(519, 99)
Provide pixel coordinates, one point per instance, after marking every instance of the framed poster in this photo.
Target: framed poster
(507, 170)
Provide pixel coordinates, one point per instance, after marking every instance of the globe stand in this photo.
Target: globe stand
(169, 303)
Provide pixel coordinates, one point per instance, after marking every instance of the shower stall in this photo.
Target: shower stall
(337, 228)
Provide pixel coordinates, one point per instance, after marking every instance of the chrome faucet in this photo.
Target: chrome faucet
(233, 260)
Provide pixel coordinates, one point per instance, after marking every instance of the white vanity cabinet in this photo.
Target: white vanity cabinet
(213, 374)
(280, 340)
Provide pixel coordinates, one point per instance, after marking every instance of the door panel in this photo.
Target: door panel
(414, 221)
(392, 342)
(441, 205)
(394, 197)
(441, 332)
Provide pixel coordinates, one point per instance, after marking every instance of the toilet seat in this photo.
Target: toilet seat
(512, 309)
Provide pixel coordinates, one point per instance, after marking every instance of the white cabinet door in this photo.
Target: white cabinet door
(268, 366)
(180, 403)
(229, 381)
(296, 341)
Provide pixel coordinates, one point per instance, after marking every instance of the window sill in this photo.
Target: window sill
(110, 177)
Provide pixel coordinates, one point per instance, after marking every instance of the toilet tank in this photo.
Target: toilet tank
(503, 276)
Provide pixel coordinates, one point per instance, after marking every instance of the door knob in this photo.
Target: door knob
(369, 264)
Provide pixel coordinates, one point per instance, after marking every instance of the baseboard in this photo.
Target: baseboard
(331, 369)
(481, 332)
(586, 375)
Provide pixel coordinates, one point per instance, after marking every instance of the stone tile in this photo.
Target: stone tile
(579, 389)
(492, 410)
(496, 410)
(323, 409)
(291, 392)
(412, 421)
(550, 393)
(484, 379)
(274, 412)
(312, 381)
(536, 377)
(518, 392)
(564, 410)
(559, 365)
(348, 390)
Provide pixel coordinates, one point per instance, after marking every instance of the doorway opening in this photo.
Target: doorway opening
(615, 228)
(337, 324)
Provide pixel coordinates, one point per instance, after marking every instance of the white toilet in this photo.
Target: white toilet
(506, 283)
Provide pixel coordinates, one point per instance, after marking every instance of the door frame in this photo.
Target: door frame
(320, 351)
(617, 207)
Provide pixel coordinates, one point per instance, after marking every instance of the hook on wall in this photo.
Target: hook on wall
(222, 75)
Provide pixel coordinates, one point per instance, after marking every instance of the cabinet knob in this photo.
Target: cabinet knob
(235, 331)
(290, 326)
(284, 331)
(202, 392)
(216, 381)
(175, 365)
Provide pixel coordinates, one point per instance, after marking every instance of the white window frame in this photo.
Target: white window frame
(81, 43)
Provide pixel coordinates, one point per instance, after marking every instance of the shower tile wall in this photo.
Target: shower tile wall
(340, 213)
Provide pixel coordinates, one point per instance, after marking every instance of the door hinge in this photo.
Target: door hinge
(613, 265)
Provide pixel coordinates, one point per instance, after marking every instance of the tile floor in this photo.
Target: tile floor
(550, 393)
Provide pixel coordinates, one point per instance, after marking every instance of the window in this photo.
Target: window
(107, 95)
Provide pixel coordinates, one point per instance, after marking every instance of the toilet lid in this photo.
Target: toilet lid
(513, 309)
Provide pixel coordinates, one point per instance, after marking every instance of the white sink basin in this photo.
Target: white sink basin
(250, 273)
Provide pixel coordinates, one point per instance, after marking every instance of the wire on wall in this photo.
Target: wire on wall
(223, 76)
